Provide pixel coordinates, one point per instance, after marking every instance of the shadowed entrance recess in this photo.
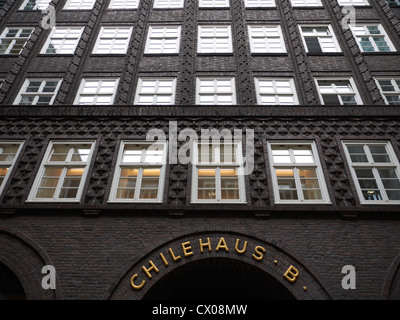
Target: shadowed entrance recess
(10, 287)
(217, 278)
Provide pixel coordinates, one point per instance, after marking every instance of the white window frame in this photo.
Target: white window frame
(394, 164)
(140, 165)
(101, 38)
(316, 165)
(79, 5)
(276, 94)
(218, 165)
(65, 37)
(306, 3)
(168, 4)
(259, 3)
(40, 93)
(358, 3)
(97, 94)
(267, 38)
(161, 40)
(39, 5)
(213, 3)
(156, 92)
(201, 37)
(215, 92)
(123, 4)
(9, 164)
(65, 165)
(395, 85)
(333, 79)
(14, 39)
(369, 36)
(319, 37)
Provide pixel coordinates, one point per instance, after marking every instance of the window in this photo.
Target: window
(375, 171)
(296, 173)
(353, 2)
(390, 89)
(163, 39)
(213, 3)
(124, 4)
(259, 3)
(63, 171)
(79, 4)
(279, 91)
(140, 171)
(97, 91)
(112, 40)
(215, 91)
(13, 40)
(155, 91)
(62, 40)
(214, 39)
(38, 92)
(217, 172)
(338, 91)
(167, 4)
(393, 3)
(306, 3)
(35, 4)
(372, 38)
(266, 38)
(9, 151)
(319, 39)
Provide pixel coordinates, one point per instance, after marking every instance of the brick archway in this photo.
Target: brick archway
(26, 259)
(140, 277)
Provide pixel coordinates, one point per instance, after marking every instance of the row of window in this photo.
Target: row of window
(296, 171)
(209, 91)
(167, 4)
(163, 39)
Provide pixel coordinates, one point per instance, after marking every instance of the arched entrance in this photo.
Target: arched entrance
(219, 263)
(218, 278)
(10, 287)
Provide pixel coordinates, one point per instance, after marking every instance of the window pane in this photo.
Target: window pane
(206, 184)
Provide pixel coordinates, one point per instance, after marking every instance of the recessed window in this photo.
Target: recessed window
(375, 171)
(13, 40)
(163, 39)
(124, 4)
(319, 39)
(266, 39)
(214, 39)
(393, 3)
(390, 89)
(168, 4)
(155, 91)
(218, 172)
(140, 171)
(340, 91)
(276, 91)
(97, 91)
(112, 40)
(213, 3)
(215, 91)
(372, 38)
(79, 4)
(63, 171)
(38, 92)
(306, 3)
(259, 3)
(35, 4)
(296, 173)
(9, 151)
(353, 2)
(62, 40)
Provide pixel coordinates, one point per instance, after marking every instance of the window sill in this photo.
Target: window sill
(106, 55)
(206, 54)
(52, 201)
(325, 54)
(384, 53)
(273, 54)
(161, 54)
(135, 201)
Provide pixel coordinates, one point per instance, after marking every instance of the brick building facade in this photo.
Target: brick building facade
(323, 191)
